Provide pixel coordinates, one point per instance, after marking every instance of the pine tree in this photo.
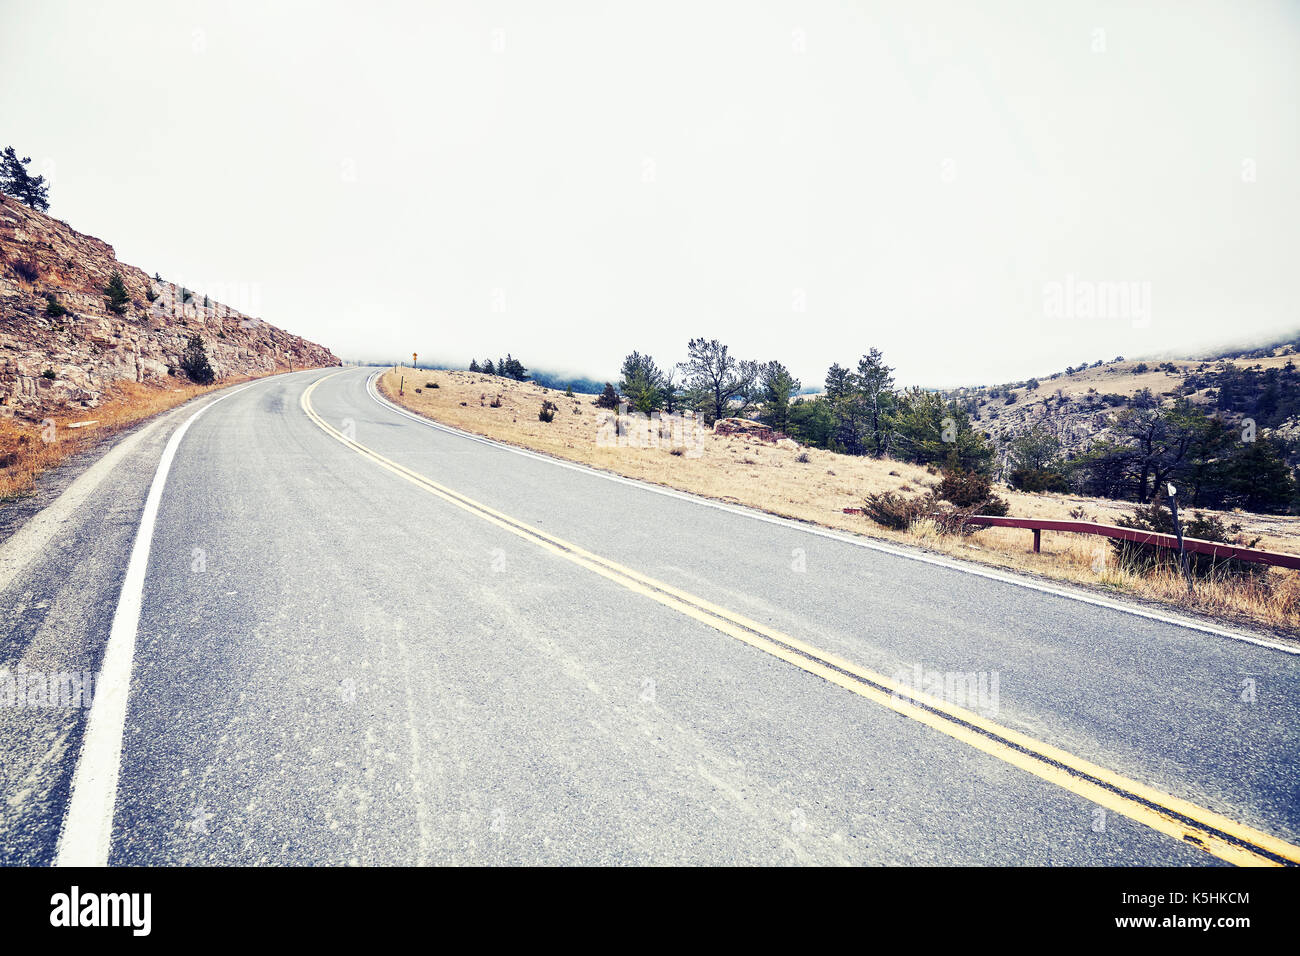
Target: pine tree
(778, 387)
(928, 430)
(1258, 478)
(608, 398)
(17, 182)
(473, 365)
(642, 382)
(116, 292)
(843, 406)
(875, 385)
(715, 378)
(195, 364)
(513, 368)
(487, 367)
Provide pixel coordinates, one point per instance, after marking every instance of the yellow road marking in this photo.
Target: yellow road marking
(1216, 834)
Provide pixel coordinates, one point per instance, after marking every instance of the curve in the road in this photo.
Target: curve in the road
(964, 568)
(1218, 835)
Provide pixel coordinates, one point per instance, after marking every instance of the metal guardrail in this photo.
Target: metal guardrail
(1216, 549)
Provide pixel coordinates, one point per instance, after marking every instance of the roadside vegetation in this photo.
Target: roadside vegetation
(29, 448)
(195, 363)
(905, 466)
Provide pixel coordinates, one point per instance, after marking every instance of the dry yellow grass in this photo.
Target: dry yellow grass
(1119, 377)
(774, 479)
(27, 448)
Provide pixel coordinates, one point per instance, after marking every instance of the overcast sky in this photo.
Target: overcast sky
(950, 182)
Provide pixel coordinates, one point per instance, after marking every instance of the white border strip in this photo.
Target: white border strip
(952, 565)
(87, 831)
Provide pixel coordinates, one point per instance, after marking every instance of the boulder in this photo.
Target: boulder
(744, 428)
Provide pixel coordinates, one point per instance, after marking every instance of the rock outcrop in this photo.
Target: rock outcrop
(745, 428)
(69, 352)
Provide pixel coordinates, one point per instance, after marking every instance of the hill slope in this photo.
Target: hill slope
(91, 347)
(1079, 405)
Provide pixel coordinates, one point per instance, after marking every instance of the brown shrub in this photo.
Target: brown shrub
(893, 510)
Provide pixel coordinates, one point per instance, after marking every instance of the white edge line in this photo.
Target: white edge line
(31, 538)
(87, 829)
(952, 565)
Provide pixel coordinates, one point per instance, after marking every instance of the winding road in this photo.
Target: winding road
(329, 632)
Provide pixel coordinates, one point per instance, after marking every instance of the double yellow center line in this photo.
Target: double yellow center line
(1216, 834)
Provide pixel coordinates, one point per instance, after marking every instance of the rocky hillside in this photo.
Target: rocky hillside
(1079, 405)
(61, 344)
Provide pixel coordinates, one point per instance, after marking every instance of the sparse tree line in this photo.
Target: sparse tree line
(1215, 463)
(1222, 450)
(714, 384)
(508, 367)
(860, 412)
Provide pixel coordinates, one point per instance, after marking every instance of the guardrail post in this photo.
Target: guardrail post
(1178, 532)
(1038, 539)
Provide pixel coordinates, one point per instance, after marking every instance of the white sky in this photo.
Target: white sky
(384, 177)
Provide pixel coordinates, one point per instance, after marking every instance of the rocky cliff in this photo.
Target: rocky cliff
(61, 344)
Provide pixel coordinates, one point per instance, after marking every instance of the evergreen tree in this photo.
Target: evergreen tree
(1033, 461)
(843, 408)
(513, 368)
(473, 365)
(1198, 452)
(810, 422)
(714, 378)
(861, 404)
(1035, 449)
(642, 383)
(607, 398)
(487, 367)
(875, 386)
(779, 386)
(195, 364)
(930, 431)
(1257, 477)
(116, 292)
(22, 185)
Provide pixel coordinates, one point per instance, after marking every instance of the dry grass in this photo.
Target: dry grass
(27, 449)
(771, 478)
(1119, 378)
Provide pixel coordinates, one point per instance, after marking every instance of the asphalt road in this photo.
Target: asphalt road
(365, 640)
